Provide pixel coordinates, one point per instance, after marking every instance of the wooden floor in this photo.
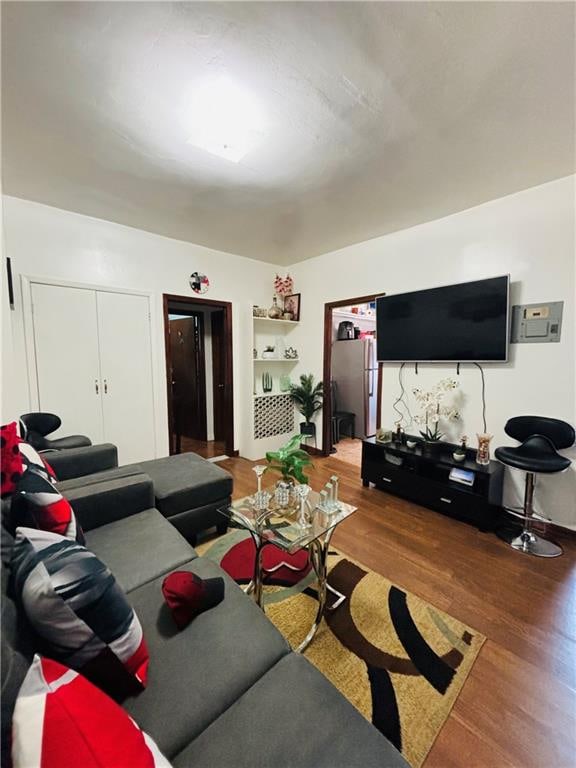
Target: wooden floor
(208, 449)
(518, 707)
(349, 450)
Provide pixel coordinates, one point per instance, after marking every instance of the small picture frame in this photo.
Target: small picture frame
(292, 305)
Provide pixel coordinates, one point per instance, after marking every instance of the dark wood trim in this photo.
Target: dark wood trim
(356, 300)
(312, 450)
(329, 306)
(228, 347)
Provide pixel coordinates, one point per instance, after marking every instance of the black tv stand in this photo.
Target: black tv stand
(422, 475)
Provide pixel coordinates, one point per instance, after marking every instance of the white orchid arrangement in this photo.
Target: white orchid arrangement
(433, 408)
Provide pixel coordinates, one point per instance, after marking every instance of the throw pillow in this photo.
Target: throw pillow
(187, 595)
(37, 504)
(82, 615)
(62, 721)
(31, 458)
(11, 459)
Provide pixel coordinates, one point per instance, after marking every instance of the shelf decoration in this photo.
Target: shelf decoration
(291, 354)
(259, 311)
(269, 352)
(433, 409)
(292, 306)
(266, 382)
(283, 286)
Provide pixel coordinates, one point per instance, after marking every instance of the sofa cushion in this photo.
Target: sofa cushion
(63, 721)
(75, 605)
(139, 548)
(186, 481)
(293, 716)
(116, 473)
(199, 672)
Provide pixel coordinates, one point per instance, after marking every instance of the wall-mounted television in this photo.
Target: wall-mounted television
(454, 323)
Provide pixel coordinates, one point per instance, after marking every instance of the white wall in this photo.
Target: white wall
(51, 243)
(529, 235)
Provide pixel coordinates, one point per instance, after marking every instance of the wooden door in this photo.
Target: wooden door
(219, 374)
(126, 366)
(188, 377)
(67, 361)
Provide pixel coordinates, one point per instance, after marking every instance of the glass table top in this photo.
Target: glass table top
(279, 526)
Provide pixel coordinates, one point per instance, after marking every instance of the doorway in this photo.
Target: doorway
(352, 378)
(198, 340)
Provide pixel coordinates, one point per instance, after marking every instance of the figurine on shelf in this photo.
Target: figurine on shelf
(460, 452)
(269, 352)
(398, 435)
(266, 382)
(291, 353)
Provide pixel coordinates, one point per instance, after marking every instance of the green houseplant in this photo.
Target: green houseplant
(289, 461)
(308, 398)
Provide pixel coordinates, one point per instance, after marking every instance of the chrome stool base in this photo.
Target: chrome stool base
(528, 542)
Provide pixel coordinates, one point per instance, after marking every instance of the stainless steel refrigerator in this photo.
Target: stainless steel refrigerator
(355, 371)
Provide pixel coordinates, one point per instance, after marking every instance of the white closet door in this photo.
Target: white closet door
(67, 363)
(126, 365)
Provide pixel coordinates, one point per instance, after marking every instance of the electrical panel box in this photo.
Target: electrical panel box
(536, 323)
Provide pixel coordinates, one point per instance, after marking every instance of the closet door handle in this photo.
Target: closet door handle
(105, 387)
(96, 387)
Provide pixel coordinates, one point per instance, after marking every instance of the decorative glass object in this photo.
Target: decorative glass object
(483, 451)
(259, 470)
(275, 312)
(301, 492)
(282, 493)
(266, 382)
(285, 383)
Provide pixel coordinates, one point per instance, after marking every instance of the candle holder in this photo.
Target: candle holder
(259, 470)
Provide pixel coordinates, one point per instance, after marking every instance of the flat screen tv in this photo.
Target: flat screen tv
(454, 323)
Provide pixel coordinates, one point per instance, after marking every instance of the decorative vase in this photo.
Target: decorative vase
(285, 383)
(275, 312)
(411, 443)
(432, 447)
(266, 382)
(483, 451)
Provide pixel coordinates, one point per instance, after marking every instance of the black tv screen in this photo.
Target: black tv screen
(454, 323)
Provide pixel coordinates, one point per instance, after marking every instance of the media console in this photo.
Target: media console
(422, 475)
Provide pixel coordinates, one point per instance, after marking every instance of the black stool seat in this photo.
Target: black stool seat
(38, 425)
(537, 454)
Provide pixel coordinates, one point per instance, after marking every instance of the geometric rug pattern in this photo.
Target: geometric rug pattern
(398, 660)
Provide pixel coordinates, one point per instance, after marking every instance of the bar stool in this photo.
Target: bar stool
(540, 440)
(39, 425)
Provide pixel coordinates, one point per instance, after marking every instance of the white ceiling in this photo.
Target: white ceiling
(379, 115)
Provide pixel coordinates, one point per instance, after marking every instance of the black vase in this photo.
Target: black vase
(307, 428)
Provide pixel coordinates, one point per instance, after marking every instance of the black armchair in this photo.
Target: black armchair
(540, 439)
(38, 425)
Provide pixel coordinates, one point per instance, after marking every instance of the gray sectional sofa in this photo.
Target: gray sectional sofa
(188, 490)
(227, 691)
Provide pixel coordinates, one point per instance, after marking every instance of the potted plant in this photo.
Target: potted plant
(289, 461)
(308, 398)
(433, 409)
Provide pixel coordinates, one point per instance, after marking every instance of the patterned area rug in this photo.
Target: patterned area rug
(397, 659)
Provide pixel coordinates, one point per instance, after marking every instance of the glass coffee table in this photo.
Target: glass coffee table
(280, 527)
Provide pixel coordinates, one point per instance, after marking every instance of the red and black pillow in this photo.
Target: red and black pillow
(187, 595)
(38, 504)
(62, 721)
(80, 612)
(11, 461)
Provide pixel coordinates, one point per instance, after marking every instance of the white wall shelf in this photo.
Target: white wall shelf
(272, 394)
(274, 321)
(277, 360)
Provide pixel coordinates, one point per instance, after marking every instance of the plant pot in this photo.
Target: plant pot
(307, 428)
(432, 447)
(458, 456)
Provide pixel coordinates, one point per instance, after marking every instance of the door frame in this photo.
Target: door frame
(226, 306)
(33, 395)
(329, 306)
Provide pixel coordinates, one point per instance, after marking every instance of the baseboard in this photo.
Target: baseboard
(313, 451)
